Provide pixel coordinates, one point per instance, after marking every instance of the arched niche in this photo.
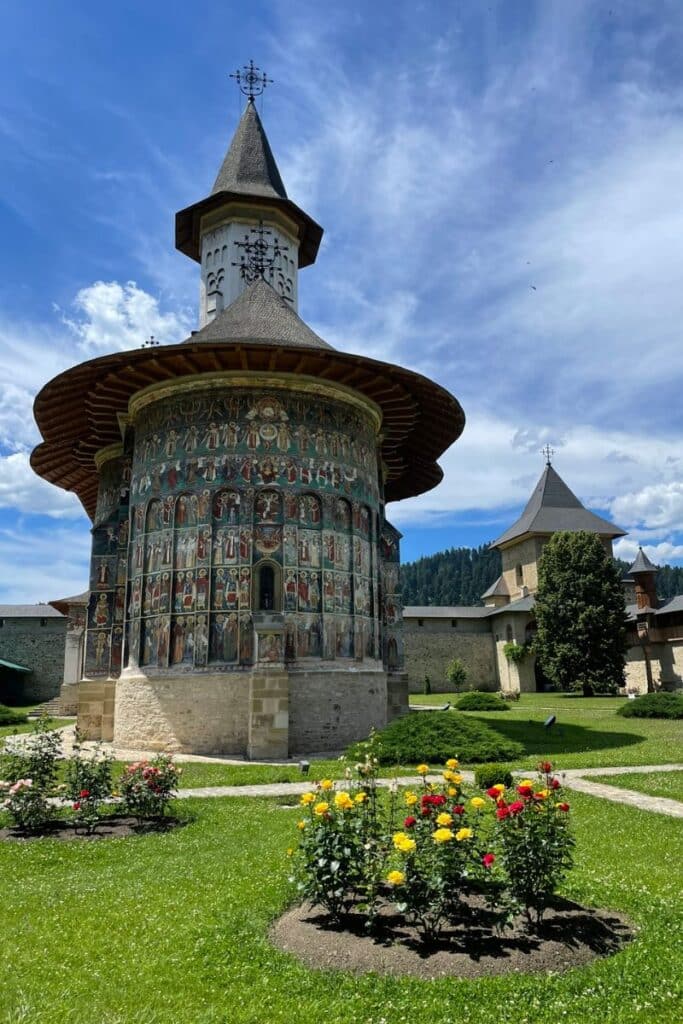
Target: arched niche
(267, 586)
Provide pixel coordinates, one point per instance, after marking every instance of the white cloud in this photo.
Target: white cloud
(659, 554)
(655, 506)
(23, 490)
(115, 316)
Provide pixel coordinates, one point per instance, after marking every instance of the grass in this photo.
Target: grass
(160, 929)
(14, 730)
(588, 732)
(668, 784)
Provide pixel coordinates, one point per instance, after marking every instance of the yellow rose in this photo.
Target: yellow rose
(477, 802)
(301, 825)
(422, 769)
(290, 851)
(343, 801)
(457, 779)
(396, 878)
(321, 808)
(327, 784)
(452, 791)
(398, 838)
(411, 799)
(407, 845)
(527, 782)
(360, 798)
(499, 787)
(464, 833)
(444, 819)
(452, 762)
(542, 793)
(442, 835)
(307, 798)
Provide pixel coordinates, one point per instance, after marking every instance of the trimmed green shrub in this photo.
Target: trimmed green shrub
(478, 700)
(487, 775)
(435, 736)
(9, 716)
(654, 705)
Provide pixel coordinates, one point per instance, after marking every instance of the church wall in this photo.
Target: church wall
(205, 715)
(24, 641)
(329, 710)
(257, 478)
(429, 649)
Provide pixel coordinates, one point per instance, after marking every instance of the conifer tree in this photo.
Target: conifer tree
(580, 615)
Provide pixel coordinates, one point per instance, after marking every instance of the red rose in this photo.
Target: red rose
(410, 821)
(554, 783)
(84, 793)
(458, 809)
(426, 811)
(493, 793)
(488, 859)
(563, 807)
(545, 767)
(515, 807)
(502, 812)
(76, 806)
(525, 790)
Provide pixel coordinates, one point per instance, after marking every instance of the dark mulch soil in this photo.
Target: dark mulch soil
(570, 935)
(112, 827)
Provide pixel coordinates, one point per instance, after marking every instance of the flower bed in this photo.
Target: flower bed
(429, 851)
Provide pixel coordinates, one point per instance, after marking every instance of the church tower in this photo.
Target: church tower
(247, 227)
(244, 583)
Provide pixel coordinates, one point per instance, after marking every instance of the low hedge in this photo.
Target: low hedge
(654, 705)
(434, 736)
(10, 716)
(478, 700)
(487, 775)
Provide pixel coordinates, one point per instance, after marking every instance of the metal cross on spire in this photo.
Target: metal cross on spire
(251, 80)
(260, 253)
(548, 452)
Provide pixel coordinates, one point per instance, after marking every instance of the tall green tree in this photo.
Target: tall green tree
(580, 615)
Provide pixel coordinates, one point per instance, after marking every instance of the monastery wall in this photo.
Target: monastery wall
(429, 649)
(25, 641)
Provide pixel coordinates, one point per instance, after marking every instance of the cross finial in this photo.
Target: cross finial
(259, 256)
(548, 452)
(251, 80)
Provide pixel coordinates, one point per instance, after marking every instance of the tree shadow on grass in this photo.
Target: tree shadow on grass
(559, 738)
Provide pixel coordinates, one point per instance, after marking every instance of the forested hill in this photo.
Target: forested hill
(461, 575)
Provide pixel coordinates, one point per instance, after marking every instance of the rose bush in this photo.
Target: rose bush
(431, 848)
(87, 783)
(147, 787)
(25, 803)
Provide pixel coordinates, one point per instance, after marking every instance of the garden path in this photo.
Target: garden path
(573, 778)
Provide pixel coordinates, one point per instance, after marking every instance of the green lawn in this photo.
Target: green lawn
(668, 784)
(588, 732)
(52, 723)
(173, 928)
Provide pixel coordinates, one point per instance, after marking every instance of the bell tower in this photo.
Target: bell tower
(247, 228)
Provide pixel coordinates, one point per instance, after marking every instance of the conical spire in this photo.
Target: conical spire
(642, 564)
(553, 507)
(249, 166)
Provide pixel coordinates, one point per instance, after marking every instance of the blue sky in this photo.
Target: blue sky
(500, 187)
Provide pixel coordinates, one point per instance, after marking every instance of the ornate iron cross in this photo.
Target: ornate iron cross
(548, 452)
(260, 251)
(251, 80)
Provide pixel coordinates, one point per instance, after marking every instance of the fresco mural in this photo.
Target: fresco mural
(243, 505)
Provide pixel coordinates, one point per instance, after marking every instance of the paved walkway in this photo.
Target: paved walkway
(578, 779)
(573, 778)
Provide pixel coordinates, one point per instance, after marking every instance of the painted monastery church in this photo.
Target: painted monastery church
(244, 593)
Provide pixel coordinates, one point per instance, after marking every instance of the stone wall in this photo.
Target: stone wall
(328, 709)
(429, 649)
(204, 714)
(25, 641)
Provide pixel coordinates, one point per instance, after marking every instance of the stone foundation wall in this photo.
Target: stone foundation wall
(428, 651)
(24, 641)
(329, 709)
(201, 714)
